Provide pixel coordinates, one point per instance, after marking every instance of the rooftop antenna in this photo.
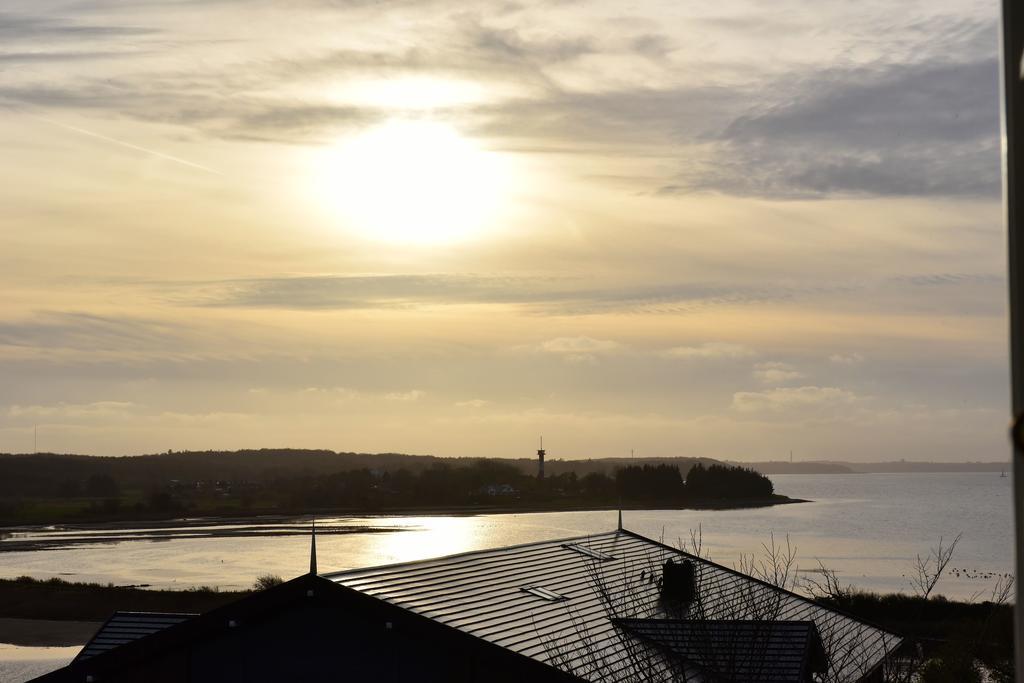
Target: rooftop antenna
(312, 550)
(35, 439)
(791, 457)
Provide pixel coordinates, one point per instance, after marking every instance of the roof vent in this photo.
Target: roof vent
(678, 583)
(589, 552)
(543, 593)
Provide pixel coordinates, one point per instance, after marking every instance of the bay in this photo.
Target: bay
(868, 527)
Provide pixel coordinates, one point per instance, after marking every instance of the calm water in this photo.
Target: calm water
(868, 527)
(25, 663)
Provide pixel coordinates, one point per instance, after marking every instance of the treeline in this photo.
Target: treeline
(715, 482)
(490, 481)
(53, 474)
(721, 481)
(43, 474)
(107, 492)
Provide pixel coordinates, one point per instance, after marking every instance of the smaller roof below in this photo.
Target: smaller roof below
(763, 651)
(124, 627)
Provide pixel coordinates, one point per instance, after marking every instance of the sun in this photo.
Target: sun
(413, 182)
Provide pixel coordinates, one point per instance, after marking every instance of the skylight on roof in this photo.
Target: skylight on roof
(589, 552)
(543, 593)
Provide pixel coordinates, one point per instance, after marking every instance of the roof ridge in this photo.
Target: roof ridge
(410, 563)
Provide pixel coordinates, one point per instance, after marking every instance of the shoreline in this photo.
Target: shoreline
(199, 521)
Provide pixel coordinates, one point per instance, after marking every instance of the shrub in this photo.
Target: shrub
(266, 581)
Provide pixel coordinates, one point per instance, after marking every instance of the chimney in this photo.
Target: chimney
(678, 582)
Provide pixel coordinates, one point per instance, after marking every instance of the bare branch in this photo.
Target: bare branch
(1002, 590)
(928, 570)
(828, 586)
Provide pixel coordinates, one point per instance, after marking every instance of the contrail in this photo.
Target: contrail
(129, 145)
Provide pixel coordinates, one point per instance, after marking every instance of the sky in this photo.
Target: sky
(733, 229)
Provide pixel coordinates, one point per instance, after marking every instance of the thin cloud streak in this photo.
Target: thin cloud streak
(126, 145)
(553, 295)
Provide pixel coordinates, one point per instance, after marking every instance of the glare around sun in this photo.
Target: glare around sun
(413, 182)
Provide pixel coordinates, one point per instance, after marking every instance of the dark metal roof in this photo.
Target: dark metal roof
(124, 627)
(748, 651)
(480, 593)
(149, 653)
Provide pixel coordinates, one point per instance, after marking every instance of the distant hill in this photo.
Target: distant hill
(44, 474)
(49, 488)
(919, 466)
(842, 467)
(609, 465)
(784, 467)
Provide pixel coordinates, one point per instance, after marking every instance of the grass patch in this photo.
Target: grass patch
(28, 598)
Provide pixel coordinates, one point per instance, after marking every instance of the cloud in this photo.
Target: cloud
(578, 345)
(919, 129)
(632, 116)
(606, 109)
(23, 27)
(374, 291)
(315, 399)
(87, 330)
(348, 394)
(790, 398)
(511, 44)
(245, 117)
(158, 91)
(526, 104)
(579, 349)
(547, 294)
(405, 396)
(61, 56)
(472, 403)
(556, 295)
(340, 393)
(709, 350)
(915, 120)
(775, 373)
(94, 410)
(951, 279)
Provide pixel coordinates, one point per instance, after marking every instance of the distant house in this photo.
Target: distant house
(614, 606)
(498, 490)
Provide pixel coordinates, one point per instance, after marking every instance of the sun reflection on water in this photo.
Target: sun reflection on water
(426, 537)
